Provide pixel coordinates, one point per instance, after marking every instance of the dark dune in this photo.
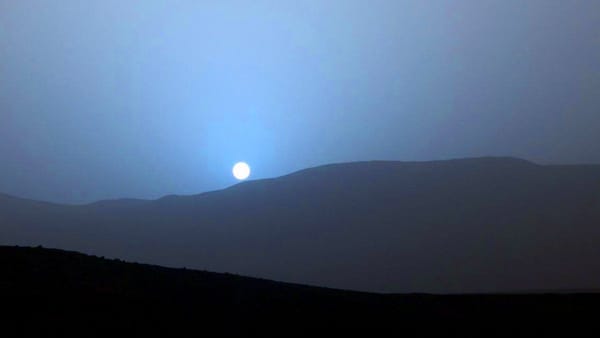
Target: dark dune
(471, 225)
(57, 293)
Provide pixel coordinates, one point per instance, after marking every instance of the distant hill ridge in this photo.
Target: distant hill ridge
(470, 225)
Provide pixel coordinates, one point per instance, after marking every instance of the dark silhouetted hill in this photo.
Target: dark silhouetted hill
(57, 293)
(470, 225)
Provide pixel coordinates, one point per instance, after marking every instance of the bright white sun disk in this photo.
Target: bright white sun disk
(241, 170)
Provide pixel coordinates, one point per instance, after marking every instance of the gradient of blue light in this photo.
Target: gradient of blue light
(105, 99)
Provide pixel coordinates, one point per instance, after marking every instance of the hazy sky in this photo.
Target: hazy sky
(112, 98)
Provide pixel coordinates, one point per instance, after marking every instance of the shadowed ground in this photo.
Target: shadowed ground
(51, 292)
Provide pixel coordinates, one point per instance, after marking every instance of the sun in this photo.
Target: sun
(241, 171)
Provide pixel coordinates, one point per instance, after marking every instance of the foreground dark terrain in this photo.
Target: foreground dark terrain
(47, 292)
(468, 225)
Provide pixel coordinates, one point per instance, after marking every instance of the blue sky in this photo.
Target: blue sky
(107, 99)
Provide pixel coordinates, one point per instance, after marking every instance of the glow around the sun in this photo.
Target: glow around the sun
(241, 170)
